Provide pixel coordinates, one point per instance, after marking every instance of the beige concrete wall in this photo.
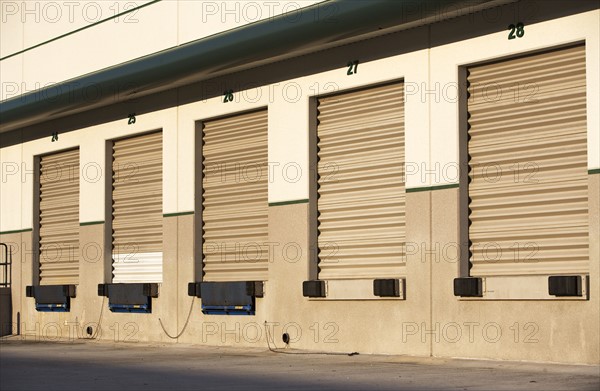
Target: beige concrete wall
(367, 326)
(535, 330)
(428, 321)
(12, 177)
(125, 327)
(431, 116)
(85, 308)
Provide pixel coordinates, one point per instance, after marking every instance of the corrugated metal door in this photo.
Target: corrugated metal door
(137, 209)
(528, 190)
(59, 218)
(361, 204)
(235, 204)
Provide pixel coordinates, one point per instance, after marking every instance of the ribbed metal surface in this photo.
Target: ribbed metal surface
(528, 165)
(137, 209)
(235, 204)
(361, 204)
(59, 218)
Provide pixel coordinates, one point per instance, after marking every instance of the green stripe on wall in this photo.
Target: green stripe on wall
(594, 171)
(288, 202)
(90, 223)
(16, 231)
(178, 214)
(432, 188)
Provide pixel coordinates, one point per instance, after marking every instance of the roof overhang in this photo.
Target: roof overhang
(317, 27)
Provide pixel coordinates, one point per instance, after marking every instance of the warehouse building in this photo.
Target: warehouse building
(391, 177)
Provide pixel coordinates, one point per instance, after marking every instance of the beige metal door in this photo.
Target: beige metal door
(235, 204)
(528, 190)
(361, 203)
(137, 209)
(59, 218)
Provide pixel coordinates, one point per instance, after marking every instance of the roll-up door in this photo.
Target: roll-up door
(235, 204)
(528, 190)
(59, 218)
(137, 209)
(361, 203)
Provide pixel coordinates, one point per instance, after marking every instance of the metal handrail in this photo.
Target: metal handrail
(6, 266)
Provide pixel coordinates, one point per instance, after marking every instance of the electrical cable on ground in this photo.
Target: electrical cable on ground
(184, 326)
(277, 350)
(99, 319)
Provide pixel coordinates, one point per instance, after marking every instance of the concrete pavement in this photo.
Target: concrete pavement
(93, 365)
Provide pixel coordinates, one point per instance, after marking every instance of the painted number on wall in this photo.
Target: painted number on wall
(516, 31)
(228, 96)
(131, 119)
(352, 67)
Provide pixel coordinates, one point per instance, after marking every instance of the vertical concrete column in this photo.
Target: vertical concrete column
(417, 331)
(92, 264)
(185, 274)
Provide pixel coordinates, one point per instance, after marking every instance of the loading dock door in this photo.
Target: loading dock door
(59, 218)
(528, 190)
(137, 209)
(235, 204)
(361, 191)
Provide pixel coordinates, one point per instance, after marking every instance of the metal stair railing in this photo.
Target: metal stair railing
(6, 265)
